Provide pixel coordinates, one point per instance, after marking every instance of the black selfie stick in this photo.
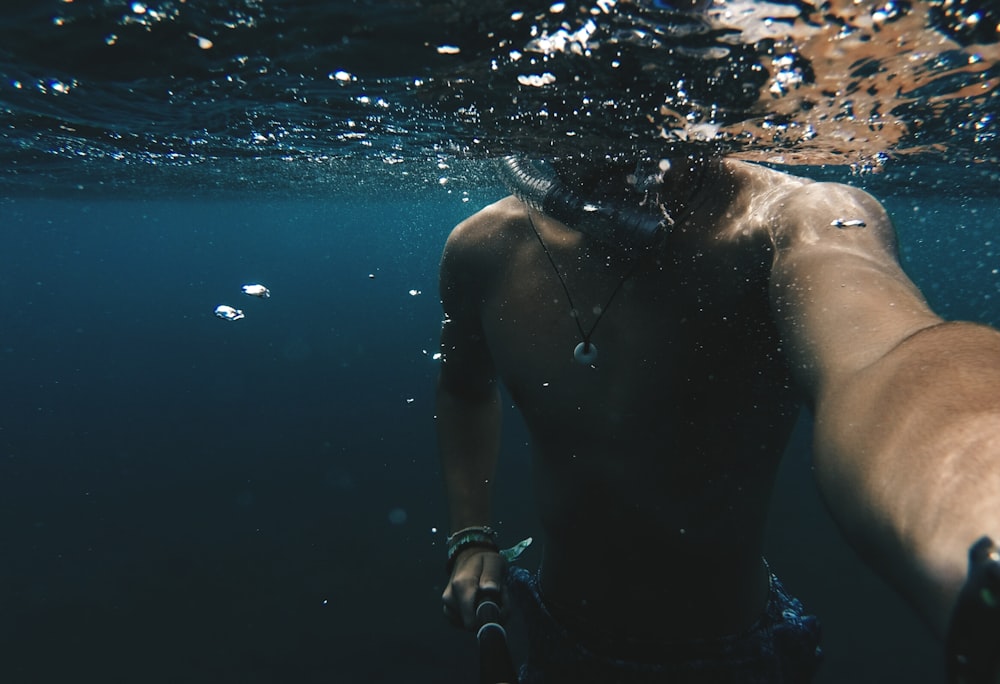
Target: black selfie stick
(973, 643)
(495, 665)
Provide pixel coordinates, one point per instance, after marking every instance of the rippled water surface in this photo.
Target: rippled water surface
(266, 95)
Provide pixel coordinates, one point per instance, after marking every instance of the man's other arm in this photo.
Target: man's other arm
(468, 417)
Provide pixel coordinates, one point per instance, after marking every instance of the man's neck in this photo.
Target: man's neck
(681, 185)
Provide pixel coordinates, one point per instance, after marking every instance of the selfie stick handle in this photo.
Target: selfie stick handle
(495, 664)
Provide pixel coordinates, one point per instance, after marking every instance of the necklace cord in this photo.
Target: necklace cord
(576, 314)
(688, 211)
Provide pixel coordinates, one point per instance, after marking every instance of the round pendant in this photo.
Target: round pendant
(585, 353)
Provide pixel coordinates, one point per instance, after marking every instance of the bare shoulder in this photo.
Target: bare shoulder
(839, 293)
(799, 212)
(488, 227)
(811, 211)
(478, 246)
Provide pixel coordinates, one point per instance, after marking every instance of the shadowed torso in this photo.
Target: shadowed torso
(652, 467)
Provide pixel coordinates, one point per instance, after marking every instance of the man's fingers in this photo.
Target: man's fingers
(451, 609)
(459, 599)
(475, 575)
(491, 584)
(491, 576)
(468, 585)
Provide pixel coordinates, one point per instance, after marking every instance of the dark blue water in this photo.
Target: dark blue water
(185, 499)
(189, 499)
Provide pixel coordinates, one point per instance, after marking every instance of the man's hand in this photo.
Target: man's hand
(974, 634)
(477, 570)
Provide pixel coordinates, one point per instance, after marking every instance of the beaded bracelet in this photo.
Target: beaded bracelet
(481, 536)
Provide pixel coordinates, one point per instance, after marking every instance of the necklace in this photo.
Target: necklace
(585, 352)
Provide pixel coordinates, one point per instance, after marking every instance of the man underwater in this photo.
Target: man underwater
(658, 341)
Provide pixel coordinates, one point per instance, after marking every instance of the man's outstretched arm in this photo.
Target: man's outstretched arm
(907, 406)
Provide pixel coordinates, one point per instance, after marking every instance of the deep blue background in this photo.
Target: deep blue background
(187, 499)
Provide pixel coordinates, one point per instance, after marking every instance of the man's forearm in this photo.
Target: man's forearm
(908, 457)
(469, 443)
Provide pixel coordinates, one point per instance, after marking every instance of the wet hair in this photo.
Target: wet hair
(607, 178)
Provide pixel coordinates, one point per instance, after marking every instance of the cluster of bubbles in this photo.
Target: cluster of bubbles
(231, 313)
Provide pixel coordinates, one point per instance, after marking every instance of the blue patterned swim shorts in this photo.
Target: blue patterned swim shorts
(782, 647)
